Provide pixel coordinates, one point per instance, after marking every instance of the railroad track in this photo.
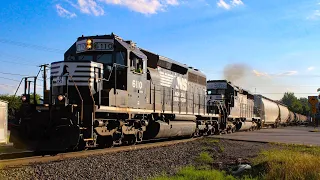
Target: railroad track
(15, 155)
(16, 162)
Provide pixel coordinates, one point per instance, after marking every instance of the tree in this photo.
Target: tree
(296, 105)
(14, 103)
(305, 106)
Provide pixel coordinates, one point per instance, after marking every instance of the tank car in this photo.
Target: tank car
(284, 114)
(107, 91)
(291, 118)
(303, 120)
(269, 111)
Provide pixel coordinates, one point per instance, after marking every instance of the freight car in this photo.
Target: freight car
(107, 91)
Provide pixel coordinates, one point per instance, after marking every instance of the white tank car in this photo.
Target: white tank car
(268, 110)
(284, 114)
(291, 117)
(302, 118)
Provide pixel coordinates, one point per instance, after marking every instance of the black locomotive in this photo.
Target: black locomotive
(108, 92)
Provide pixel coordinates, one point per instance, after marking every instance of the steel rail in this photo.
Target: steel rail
(9, 163)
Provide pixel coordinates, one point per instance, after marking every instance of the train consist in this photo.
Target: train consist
(246, 106)
(107, 91)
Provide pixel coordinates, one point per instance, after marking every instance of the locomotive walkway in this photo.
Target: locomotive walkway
(288, 135)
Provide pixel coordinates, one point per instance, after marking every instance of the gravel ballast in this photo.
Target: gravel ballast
(137, 164)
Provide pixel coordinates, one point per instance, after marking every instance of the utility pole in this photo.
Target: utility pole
(44, 66)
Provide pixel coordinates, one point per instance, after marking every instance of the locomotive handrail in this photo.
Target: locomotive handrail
(94, 103)
(79, 96)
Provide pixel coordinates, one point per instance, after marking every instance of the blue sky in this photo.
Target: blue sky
(276, 41)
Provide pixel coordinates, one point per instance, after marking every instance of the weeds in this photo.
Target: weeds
(221, 148)
(191, 173)
(204, 158)
(290, 162)
(212, 141)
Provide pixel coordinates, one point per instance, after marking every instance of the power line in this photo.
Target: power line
(10, 79)
(27, 45)
(13, 74)
(13, 62)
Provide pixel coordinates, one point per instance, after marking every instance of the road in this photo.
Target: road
(289, 135)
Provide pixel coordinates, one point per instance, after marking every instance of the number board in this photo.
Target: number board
(98, 45)
(81, 47)
(103, 46)
(217, 85)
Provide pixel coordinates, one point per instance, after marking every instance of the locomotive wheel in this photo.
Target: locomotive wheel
(139, 136)
(233, 130)
(105, 142)
(81, 145)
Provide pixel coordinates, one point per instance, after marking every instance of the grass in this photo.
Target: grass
(221, 148)
(204, 158)
(191, 173)
(284, 161)
(298, 162)
(212, 141)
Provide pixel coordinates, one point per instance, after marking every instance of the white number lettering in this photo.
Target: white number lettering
(137, 84)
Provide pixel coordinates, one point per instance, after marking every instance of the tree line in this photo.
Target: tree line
(14, 103)
(296, 105)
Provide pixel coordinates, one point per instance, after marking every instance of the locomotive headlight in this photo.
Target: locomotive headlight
(60, 97)
(89, 44)
(23, 98)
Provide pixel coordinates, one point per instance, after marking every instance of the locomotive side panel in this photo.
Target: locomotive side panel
(137, 88)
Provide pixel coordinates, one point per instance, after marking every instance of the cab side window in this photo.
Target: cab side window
(136, 64)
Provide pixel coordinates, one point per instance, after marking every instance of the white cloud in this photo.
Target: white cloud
(259, 74)
(141, 6)
(262, 74)
(144, 6)
(236, 2)
(172, 2)
(287, 73)
(63, 12)
(310, 68)
(225, 5)
(315, 15)
(90, 7)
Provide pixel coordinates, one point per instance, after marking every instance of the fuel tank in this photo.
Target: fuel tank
(244, 126)
(161, 129)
